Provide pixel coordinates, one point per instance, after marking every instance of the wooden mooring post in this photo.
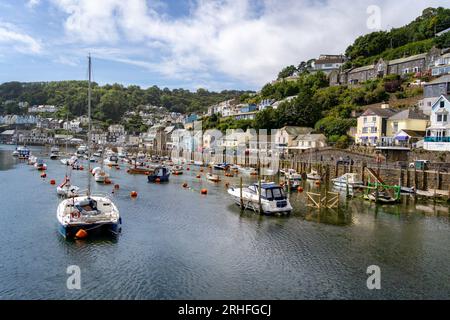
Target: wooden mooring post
(241, 197)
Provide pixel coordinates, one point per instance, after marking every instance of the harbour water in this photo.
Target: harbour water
(178, 244)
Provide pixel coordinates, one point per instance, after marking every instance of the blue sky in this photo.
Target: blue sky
(214, 44)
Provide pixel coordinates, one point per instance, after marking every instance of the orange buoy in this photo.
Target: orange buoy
(133, 194)
(81, 168)
(300, 189)
(147, 173)
(43, 175)
(187, 169)
(201, 170)
(157, 180)
(185, 185)
(198, 176)
(227, 184)
(317, 183)
(81, 234)
(204, 191)
(52, 182)
(116, 186)
(117, 168)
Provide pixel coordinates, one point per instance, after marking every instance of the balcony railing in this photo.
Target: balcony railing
(437, 139)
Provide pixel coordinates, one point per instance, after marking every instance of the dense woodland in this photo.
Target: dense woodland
(109, 102)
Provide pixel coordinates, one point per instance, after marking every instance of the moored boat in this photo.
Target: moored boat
(40, 165)
(248, 171)
(313, 175)
(177, 170)
(160, 174)
(273, 198)
(213, 177)
(352, 180)
(66, 189)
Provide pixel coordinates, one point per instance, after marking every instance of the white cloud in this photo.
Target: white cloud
(22, 42)
(33, 3)
(230, 36)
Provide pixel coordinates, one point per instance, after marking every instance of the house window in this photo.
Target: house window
(444, 118)
(374, 119)
(374, 130)
(309, 143)
(365, 119)
(439, 118)
(442, 104)
(395, 127)
(429, 103)
(364, 130)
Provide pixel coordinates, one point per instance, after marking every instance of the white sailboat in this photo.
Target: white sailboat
(67, 189)
(100, 175)
(81, 216)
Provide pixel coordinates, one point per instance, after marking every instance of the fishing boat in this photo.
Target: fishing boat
(40, 165)
(177, 170)
(313, 175)
(248, 171)
(82, 216)
(66, 189)
(213, 177)
(54, 153)
(221, 166)
(160, 174)
(351, 180)
(273, 198)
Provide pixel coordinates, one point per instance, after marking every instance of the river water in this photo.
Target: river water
(178, 244)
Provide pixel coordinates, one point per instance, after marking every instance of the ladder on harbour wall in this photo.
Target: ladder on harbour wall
(330, 200)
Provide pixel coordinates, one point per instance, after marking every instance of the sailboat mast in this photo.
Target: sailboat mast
(89, 127)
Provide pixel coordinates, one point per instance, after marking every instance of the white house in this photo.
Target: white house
(309, 141)
(73, 126)
(438, 134)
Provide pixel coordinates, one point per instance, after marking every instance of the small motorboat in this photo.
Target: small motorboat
(351, 180)
(92, 159)
(407, 190)
(221, 166)
(54, 153)
(248, 171)
(213, 177)
(101, 176)
(15, 153)
(24, 153)
(32, 160)
(40, 165)
(293, 178)
(139, 170)
(66, 189)
(274, 200)
(82, 150)
(70, 162)
(177, 170)
(160, 174)
(313, 175)
(382, 197)
(111, 161)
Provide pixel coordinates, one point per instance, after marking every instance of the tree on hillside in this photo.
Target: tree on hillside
(287, 72)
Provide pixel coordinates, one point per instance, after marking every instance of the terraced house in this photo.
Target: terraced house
(438, 134)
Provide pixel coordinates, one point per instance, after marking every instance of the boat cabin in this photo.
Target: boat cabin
(269, 191)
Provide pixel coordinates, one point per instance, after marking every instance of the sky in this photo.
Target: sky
(191, 44)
